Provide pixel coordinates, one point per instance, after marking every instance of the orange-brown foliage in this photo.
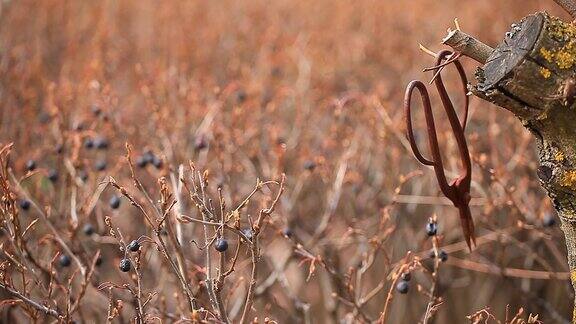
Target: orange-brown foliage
(309, 89)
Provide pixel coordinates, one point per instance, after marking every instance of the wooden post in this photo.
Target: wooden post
(532, 74)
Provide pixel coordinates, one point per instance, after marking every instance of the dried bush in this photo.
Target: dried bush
(276, 126)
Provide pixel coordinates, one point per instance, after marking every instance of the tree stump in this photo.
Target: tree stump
(532, 74)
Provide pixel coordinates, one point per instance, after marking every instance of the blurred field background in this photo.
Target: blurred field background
(254, 89)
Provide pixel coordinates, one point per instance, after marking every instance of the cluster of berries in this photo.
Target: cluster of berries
(432, 230)
(99, 142)
(149, 158)
(125, 264)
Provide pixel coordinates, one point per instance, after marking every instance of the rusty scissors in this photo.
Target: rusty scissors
(458, 191)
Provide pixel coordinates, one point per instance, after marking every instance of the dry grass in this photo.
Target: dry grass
(228, 92)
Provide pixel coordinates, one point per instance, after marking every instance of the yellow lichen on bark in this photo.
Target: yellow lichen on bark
(545, 72)
(565, 57)
(573, 278)
(543, 115)
(568, 179)
(561, 30)
(546, 54)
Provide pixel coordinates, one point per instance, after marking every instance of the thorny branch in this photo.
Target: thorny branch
(31, 302)
(255, 250)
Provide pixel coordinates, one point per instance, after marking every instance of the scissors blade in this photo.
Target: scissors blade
(467, 224)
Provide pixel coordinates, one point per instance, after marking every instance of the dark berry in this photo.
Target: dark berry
(25, 204)
(157, 162)
(402, 287)
(549, 220)
(53, 175)
(43, 117)
(431, 229)
(30, 165)
(148, 156)
(114, 202)
(406, 276)
(141, 162)
(88, 229)
(200, 143)
(64, 260)
(100, 165)
(96, 110)
(88, 143)
(221, 245)
(241, 96)
(287, 231)
(248, 233)
(83, 175)
(78, 126)
(133, 246)
(101, 143)
(443, 256)
(276, 71)
(309, 165)
(125, 265)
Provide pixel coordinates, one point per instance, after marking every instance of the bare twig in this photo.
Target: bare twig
(507, 272)
(44, 309)
(48, 223)
(219, 284)
(395, 277)
(255, 251)
(569, 6)
(468, 45)
(156, 230)
(433, 299)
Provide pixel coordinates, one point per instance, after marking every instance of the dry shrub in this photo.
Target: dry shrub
(218, 94)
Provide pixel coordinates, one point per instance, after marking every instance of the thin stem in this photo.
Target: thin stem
(227, 227)
(48, 223)
(44, 309)
(156, 228)
(569, 6)
(219, 284)
(208, 280)
(252, 284)
(255, 251)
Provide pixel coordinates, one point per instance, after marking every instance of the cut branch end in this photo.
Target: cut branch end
(468, 45)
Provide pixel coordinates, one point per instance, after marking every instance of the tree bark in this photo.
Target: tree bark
(531, 73)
